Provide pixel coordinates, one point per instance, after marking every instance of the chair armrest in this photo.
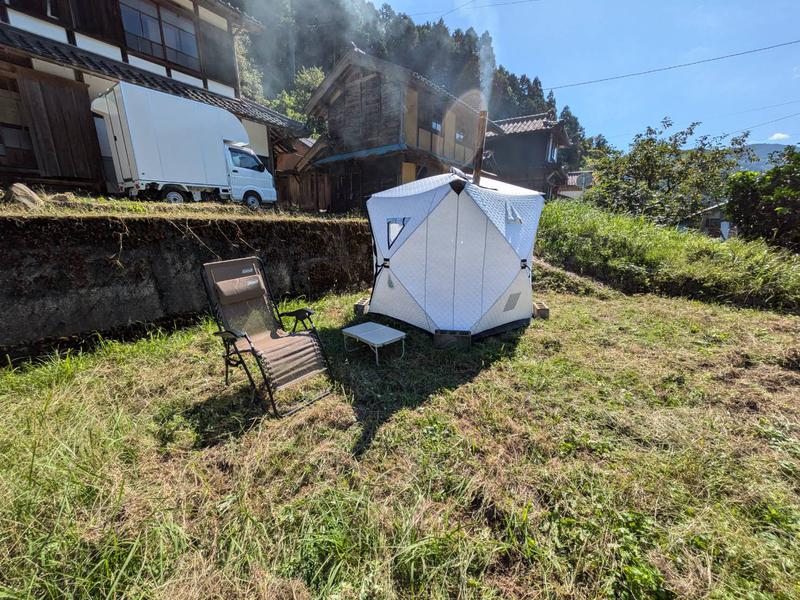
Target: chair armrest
(300, 313)
(228, 335)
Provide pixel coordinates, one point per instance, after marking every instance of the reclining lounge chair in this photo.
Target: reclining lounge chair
(249, 323)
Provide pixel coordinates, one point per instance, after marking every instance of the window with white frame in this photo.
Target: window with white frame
(552, 149)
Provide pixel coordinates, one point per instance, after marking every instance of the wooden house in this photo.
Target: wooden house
(309, 190)
(712, 220)
(525, 152)
(56, 55)
(387, 125)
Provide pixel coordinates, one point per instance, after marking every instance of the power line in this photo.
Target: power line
(741, 112)
(797, 114)
(452, 10)
(672, 67)
(731, 114)
(493, 4)
(728, 134)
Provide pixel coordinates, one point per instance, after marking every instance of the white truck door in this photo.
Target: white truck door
(248, 173)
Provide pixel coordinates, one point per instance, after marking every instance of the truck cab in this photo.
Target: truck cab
(250, 181)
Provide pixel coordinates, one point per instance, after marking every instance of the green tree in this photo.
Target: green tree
(292, 102)
(595, 148)
(551, 103)
(308, 33)
(572, 156)
(767, 205)
(661, 179)
(250, 76)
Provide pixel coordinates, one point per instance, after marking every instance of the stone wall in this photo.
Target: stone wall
(71, 276)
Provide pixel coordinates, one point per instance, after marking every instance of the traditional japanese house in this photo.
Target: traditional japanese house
(387, 125)
(525, 152)
(56, 55)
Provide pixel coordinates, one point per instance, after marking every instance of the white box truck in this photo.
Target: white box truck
(175, 149)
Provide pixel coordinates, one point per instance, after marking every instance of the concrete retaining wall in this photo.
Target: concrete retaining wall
(70, 276)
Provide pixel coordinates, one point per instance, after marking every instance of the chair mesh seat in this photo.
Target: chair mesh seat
(289, 358)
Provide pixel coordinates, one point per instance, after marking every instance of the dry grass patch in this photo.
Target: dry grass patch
(630, 447)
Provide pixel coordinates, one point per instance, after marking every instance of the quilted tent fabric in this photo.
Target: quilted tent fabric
(454, 256)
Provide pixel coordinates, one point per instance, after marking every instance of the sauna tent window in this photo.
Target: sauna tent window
(394, 225)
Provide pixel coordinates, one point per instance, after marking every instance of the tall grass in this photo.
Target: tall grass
(635, 255)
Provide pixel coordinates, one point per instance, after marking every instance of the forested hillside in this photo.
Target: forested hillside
(308, 33)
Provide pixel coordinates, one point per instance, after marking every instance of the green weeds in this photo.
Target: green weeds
(636, 256)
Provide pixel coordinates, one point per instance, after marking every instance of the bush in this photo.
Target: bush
(767, 205)
(635, 255)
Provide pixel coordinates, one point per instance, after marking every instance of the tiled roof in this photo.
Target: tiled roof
(71, 56)
(526, 123)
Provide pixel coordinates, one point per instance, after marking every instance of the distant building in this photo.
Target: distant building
(57, 55)
(576, 185)
(387, 125)
(713, 221)
(525, 152)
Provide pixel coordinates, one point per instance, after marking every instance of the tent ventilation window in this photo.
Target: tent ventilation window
(512, 214)
(511, 303)
(394, 225)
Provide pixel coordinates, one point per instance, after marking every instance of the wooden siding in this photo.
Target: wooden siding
(98, 18)
(309, 191)
(365, 112)
(454, 116)
(409, 172)
(411, 117)
(521, 159)
(61, 125)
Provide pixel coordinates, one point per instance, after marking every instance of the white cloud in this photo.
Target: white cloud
(779, 137)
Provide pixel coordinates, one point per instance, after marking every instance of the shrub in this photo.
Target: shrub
(767, 205)
(635, 255)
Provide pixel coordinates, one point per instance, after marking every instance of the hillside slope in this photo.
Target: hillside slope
(635, 255)
(762, 157)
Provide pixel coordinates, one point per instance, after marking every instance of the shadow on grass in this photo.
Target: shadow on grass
(379, 392)
(224, 415)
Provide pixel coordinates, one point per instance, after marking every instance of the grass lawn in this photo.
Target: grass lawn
(631, 446)
(72, 205)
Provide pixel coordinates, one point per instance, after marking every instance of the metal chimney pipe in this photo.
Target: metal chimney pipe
(483, 117)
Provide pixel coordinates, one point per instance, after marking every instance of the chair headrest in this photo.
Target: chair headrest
(232, 291)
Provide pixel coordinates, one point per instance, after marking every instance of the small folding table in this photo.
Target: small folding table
(375, 336)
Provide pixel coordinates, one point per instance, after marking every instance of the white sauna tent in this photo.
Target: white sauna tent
(451, 256)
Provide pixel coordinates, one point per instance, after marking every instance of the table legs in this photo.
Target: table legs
(374, 349)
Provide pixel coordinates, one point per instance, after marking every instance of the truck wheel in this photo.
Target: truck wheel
(252, 201)
(173, 196)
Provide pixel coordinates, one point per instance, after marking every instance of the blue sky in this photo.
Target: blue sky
(566, 41)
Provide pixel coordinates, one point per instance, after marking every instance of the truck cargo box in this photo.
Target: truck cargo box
(158, 137)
